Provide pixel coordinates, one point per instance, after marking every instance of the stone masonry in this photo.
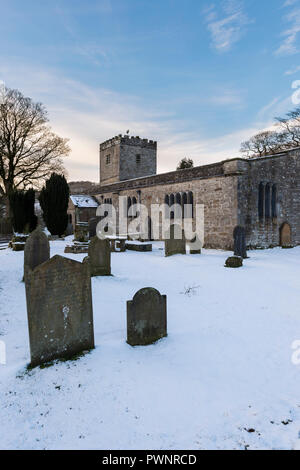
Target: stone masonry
(124, 157)
(231, 192)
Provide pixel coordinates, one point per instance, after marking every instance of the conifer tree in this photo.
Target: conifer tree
(22, 211)
(54, 200)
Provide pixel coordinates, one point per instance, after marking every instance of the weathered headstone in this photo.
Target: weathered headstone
(99, 257)
(93, 226)
(81, 232)
(37, 250)
(59, 310)
(240, 242)
(175, 245)
(286, 236)
(146, 317)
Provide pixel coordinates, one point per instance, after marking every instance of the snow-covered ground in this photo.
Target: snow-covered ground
(224, 370)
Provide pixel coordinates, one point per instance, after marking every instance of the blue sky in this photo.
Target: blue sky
(197, 76)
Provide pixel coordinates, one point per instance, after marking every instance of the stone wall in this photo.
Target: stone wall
(229, 191)
(217, 193)
(282, 170)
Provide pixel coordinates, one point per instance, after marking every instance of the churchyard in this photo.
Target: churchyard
(224, 377)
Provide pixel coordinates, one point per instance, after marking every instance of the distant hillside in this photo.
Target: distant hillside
(79, 187)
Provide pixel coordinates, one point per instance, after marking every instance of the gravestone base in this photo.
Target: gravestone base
(77, 248)
(18, 246)
(138, 246)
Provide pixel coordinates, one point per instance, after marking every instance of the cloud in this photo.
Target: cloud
(227, 98)
(90, 115)
(289, 45)
(227, 29)
(293, 71)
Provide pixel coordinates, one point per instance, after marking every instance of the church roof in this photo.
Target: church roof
(83, 200)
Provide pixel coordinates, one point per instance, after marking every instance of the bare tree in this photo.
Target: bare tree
(290, 128)
(264, 143)
(287, 136)
(29, 150)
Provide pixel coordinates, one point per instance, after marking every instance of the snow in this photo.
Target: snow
(83, 201)
(224, 369)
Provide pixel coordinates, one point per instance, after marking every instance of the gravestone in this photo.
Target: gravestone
(173, 244)
(195, 246)
(81, 232)
(146, 317)
(99, 257)
(234, 262)
(59, 310)
(138, 246)
(37, 250)
(93, 226)
(285, 236)
(240, 242)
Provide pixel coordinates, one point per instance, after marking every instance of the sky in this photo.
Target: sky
(197, 76)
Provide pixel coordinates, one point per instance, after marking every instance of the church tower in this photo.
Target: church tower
(124, 158)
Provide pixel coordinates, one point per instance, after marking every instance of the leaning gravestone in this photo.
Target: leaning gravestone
(99, 257)
(146, 317)
(37, 250)
(175, 241)
(240, 242)
(59, 310)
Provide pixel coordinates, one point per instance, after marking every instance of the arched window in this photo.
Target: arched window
(274, 201)
(268, 201)
(178, 198)
(129, 204)
(178, 205)
(261, 197)
(134, 211)
(184, 205)
(172, 202)
(190, 201)
(167, 206)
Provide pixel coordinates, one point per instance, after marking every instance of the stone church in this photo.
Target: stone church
(262, 195)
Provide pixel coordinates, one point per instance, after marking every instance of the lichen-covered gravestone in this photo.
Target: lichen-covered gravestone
(59, 310)
(175, 242)
(99, 257)
(146, 317)
(37, 250)
(239, 237)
